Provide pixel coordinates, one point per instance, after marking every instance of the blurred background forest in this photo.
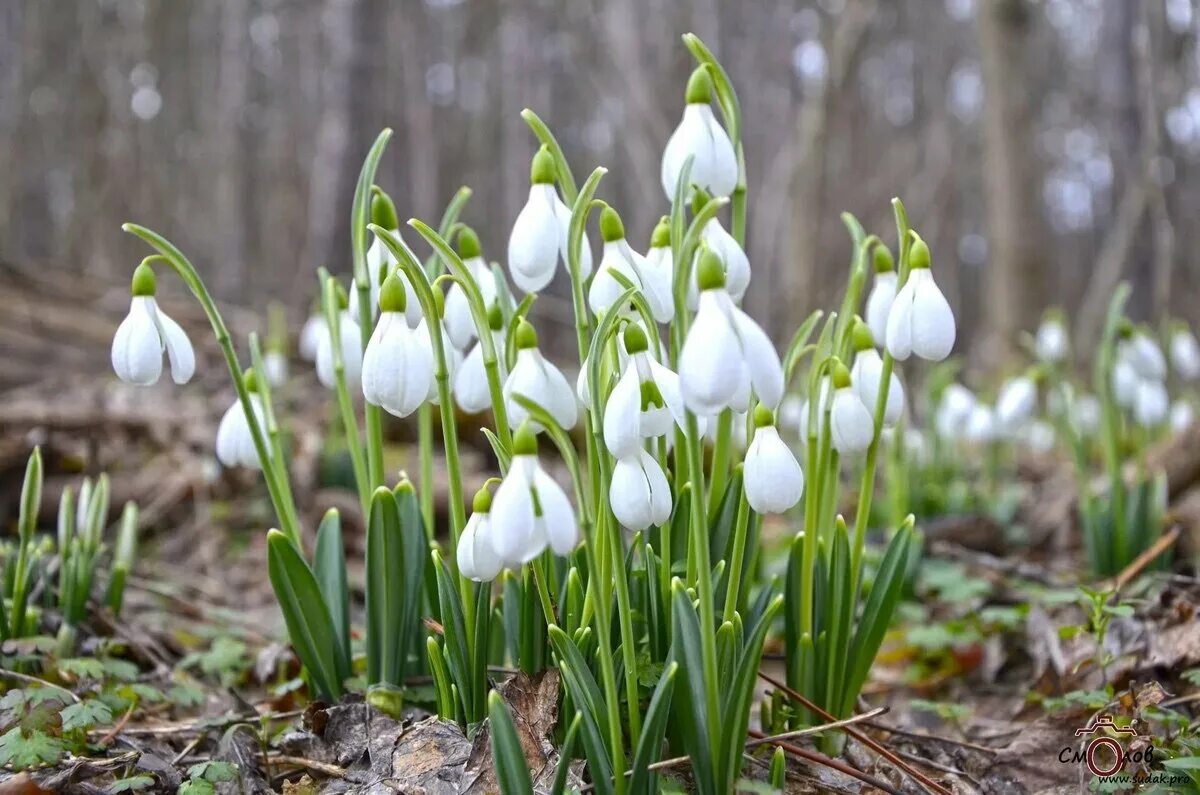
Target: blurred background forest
(1046, 149)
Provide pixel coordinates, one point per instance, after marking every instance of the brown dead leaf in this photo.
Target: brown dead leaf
(533, 703)
(21, 784)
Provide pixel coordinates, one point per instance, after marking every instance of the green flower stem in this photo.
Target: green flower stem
(739, 551)
(815, 453)
(425, 445)
(273, 432)
(720, 460)
(187, 272)
(358, 460)
(566, 180)
(539, 579)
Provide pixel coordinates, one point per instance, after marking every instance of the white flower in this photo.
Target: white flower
(920, 320)
(660, 256)
(737, 264)
(981, 425)
(147, 331)
(954, 411)
(1151, 404)
(726, 352)
(879, 303)
(645, 401)
(714, 163)
(380, 264)
(1185, 354)
(460, 323)
(530, 510)
(619, 257)
(310, 336)
(793, 414)
(824, 388)
(1016, 403)
(1144, 355)
(1182, 416)
(1086, 410)
(772, 477)
(539, 235)
(276, 365)
(538, 380)
(235, 442)
(351, 339)
(851, 426)
(477, 558)
(1051, 343)
(866, 375)
(397, 369)
(471, 391)
(639, 493)
(1039, 436)
(1124, 383)
(452, 355)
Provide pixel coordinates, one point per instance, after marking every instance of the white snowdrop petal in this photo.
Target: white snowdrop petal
(470, 383)
(558, 517)
(1050, 343)
(866, 378)
(533, 245)
(1151, 403)
(879, 304)
(772, 476)
(621, 435)
(933, 329)
(1125, 382)
(851, 426)
(310, 336)
(1185, 355)
(563, 215)
(179, 347)
(1016, 402)
(629, 494)
(762, 361)
(723, 168)
(513, 531)
(137, 348)
(660, 489)
(711, 360)
(733, 257)
(1182, 416)
(605, 289)
(899, 323)
(654, 282)
(668, 385)
(227, 446)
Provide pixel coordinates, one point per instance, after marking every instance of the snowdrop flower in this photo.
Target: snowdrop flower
(381, 262)
(981, 425)
(701, 137)
(793, 414)
(824, 387)
(1151, 405)
(737, 264)
(1143, 354)
(477, 558)
(539, 235)
(1050, 343)
(883, 294)
(311, 333)
(619, 257)
(1039, 436)
(235, 442)
(471, 391)
(851, 426)
(1086, 411)
(276, 365)
(866, 375)
(725, 352)
(397, 369)
(659, 255)
(540, 381)
(920, 320)
(771, 475)
(645, 402)
(530, 510)
(1016, 403)
(452, 355)
(147, 331)
(351, 347)
(1185, 354)
(1125, 382)
(954, 411)
(1182, 416)
(639, 493)
(460, 323)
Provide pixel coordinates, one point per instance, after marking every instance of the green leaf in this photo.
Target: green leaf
(307, 616)
(196, 786)
(594, 748)
(82, 667)
(720, 530)
(565, 755)
(214, 770)
(414, 542)
(329, 567)
(384, 590)
(455, 634)
(735, 713)
(654, 729)
(131, 784)
(26, 751)
(85, 715)
(691, 717)
(512, 770)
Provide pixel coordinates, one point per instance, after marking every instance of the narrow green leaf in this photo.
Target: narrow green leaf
(654, 730)
(512, 770)
(455, 634)
(735, 718)
(565, 754)
(691, 718)
(329, 567)
(414, 565)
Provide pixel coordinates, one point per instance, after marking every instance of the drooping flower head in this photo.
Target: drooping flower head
(351, 346)
(476, 555)
(1151, 403)
(1051, 343)
(1141, 351)
(645, 401)
(726, 352)
(452, 355)
(235, 441)
(381, 262)
(851, 426)
(471, 391)
(619, 257)
(397, 369)
(639, 493)
(540, 234)
(145, 333)
(530, 509)
(883, 293)
(866, 374)
(772, 476)
(460, 323)
(701, 137)
(540, 381)
(920, 321)
(659, 255)
(737, 264)
(1185, 353)
(1016, 403)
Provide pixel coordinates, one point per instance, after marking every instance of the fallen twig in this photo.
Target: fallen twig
(309, 764)
(1143, 560)
(33, 680)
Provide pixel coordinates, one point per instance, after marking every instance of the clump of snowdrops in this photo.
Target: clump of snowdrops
(640, 575)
